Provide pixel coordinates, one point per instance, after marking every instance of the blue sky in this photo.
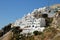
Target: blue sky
(11, 10)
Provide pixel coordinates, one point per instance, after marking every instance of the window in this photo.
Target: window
(32, 25)
(36, 27)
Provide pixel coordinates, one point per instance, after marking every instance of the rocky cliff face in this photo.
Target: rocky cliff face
(56, 20)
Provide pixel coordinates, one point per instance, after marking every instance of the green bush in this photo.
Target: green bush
(37, 33)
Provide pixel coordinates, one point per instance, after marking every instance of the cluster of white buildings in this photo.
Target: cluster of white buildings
(29, 23)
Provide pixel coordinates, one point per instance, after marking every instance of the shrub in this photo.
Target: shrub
(48, 21)
(44, 15)
(37, 33)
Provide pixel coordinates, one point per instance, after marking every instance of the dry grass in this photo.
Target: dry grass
(7, 36)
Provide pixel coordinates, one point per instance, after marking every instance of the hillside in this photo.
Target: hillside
(40, 24)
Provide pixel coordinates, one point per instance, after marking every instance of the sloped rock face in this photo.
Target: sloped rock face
(56, 20)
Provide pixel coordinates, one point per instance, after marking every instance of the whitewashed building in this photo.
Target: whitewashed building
(29, 23)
